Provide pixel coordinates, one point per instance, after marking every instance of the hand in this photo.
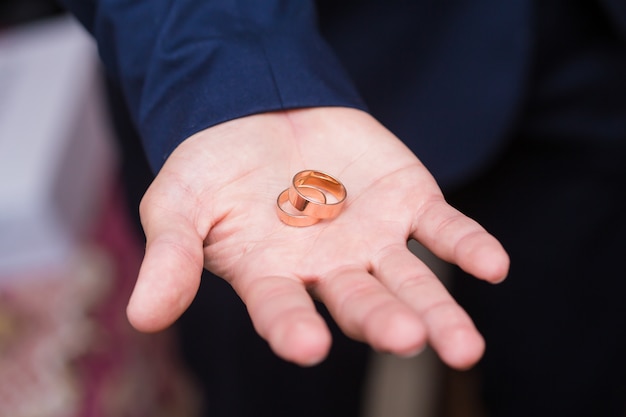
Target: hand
(213, 205)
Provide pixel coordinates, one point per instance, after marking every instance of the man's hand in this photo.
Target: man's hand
(213, 205)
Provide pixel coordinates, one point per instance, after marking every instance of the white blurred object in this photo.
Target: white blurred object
(56, 151)
(68, 255)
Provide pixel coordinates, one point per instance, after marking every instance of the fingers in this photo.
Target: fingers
(170, 272)
(366, 311)
(284, 314)
(458, 239)
(450, 330)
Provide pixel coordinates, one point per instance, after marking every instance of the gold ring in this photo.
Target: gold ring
(312, 207)
(292, 217)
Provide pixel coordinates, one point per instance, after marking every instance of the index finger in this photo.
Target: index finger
(456, 238)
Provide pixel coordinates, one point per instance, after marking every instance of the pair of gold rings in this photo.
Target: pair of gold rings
(312, 196)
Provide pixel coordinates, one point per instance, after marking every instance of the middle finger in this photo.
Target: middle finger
(365, 310)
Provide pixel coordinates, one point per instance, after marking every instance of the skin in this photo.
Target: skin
(212, 206)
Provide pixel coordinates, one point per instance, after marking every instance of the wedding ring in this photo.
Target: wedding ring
(313, 207)
(289, 215)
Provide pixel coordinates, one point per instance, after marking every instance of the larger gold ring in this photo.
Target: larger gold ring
(312, 207)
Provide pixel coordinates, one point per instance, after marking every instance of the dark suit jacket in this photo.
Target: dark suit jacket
(448, 77)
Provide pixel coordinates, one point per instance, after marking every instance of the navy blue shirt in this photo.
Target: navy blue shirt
(451, 79)
(186, 65)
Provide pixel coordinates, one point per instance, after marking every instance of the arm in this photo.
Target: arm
(187, 65)
(212, 203)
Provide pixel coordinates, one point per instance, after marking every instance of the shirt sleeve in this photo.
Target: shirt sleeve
(185, 65)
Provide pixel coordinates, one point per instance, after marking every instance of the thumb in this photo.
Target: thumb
(169, 276)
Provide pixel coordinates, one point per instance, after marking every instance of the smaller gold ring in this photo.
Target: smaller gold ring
(312, 207)
(293, 219)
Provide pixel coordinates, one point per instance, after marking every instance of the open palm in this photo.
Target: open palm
(213, 206)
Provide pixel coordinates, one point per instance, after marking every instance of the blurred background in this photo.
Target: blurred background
(69, 251)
